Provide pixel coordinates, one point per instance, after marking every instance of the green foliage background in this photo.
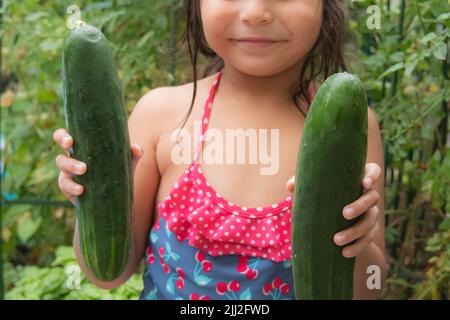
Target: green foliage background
(404, 66)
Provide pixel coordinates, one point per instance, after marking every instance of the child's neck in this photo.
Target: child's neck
(264, 93)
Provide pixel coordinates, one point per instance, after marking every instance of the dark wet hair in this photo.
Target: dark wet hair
(325, 58)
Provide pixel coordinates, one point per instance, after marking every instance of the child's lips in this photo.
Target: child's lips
(253, 43)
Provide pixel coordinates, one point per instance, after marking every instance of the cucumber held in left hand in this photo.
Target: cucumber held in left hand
(97, 120)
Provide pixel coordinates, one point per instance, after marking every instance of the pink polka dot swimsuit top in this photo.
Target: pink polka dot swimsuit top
(196, 214)
(195, 211)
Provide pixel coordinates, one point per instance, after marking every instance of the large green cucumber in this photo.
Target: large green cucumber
(97, 120)
(330, 168)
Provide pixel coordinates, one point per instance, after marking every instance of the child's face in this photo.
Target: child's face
(295, 23)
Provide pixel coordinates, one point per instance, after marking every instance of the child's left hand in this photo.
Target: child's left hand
(362, 232)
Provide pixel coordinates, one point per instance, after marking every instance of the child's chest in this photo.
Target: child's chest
(246, 157)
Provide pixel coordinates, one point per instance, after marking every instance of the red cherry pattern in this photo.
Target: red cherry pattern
(231, 286)
(206, 264)
(150, 255)
(196, 296)
(243, 268)
(276, 284)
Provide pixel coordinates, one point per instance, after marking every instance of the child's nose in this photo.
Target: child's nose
(255, 12)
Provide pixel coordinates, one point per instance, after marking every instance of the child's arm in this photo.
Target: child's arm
(143, 124)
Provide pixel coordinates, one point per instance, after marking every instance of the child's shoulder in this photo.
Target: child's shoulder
(170, 103)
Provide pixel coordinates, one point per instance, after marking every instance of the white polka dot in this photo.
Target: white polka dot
(244, 208)
(183, 198)
(253, 228)
(252, 216)
(211, 232)
(218, 195)
(247, 235)
(275, 205)
(208, 194)
(230, 203)
(259, 209)
(222, 218)
(182, 206)
(232, 227)
(191, 208)
(238, 234)
(252, 242)
(174, 219)
(227, 234)
(238, 220)
(271, 242)
(200, 191)
(220, 205)
(186, 179)
(200, 219)
(269, 221)
(184, 188)
(217, 211)
(258, 235)
(217, 224)
(191, 199)
(206, 225)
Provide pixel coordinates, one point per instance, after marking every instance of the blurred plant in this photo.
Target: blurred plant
(54, 282)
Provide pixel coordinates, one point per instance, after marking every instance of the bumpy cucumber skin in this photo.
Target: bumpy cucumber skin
(97, 120)
(330, 168)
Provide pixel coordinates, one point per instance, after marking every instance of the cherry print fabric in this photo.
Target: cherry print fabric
(205, 247)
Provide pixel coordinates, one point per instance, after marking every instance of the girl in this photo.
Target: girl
(215, 231)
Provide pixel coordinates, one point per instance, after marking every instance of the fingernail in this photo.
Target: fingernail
(79, 166)
(291, 180)
(340, 238)
(77, 189)
(368, 181)
(349, 212)
(65, 140)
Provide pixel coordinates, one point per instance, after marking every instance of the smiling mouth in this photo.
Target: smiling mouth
(256, 43)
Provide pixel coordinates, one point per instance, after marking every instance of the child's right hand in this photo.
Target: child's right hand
(69, 166)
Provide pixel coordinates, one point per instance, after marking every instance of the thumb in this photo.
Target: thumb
(136, 155)
(290, 184)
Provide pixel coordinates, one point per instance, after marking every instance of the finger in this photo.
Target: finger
(359, 229)
(70, 165)
(372, 173)
(360, 245)
(290, 184)
(361, 205)
(64, 139)
(136, 151)
(69, 187)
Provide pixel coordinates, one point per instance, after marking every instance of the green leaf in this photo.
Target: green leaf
(443, 17)
(392, 69)
(445, 225)
(36, 15)
(430, 36)
(27, 228)
(440, 51)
